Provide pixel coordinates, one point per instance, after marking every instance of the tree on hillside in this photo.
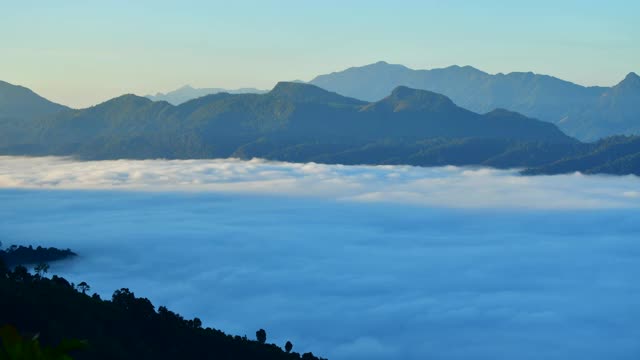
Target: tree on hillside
(261, 336)
(288, 346)
(20, 274)
(41, 269)
(127, 327)
(83, 287)
(197, 323)
(4, 270)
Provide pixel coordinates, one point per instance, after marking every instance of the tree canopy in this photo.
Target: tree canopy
(124, 327)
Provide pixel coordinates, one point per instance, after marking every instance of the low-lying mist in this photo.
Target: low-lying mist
(350, 262)
(436, 186)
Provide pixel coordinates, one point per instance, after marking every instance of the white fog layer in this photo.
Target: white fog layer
(366, 262)
(436, 186)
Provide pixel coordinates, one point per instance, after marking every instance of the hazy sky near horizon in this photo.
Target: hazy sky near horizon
(80, 53)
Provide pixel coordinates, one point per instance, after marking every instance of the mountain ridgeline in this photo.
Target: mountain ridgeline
(300, 122)
(186, 93)
(292, 114)
(587, 113)
(18, 102)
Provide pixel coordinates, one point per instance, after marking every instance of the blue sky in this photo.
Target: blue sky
(83, 52)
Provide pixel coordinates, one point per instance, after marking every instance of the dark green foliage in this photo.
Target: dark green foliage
(288, 346)
(127, 327)
(22, 255)
(16, 347)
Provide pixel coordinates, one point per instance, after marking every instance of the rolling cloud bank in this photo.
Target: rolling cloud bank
(444, 186)
(351, 262)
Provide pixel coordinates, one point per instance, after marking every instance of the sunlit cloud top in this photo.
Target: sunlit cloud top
(439, 186)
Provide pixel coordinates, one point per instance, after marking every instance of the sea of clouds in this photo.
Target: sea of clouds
(350, 262)
(449, 186)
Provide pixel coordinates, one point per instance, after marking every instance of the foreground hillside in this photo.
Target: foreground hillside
(303, 123)
(125, 327)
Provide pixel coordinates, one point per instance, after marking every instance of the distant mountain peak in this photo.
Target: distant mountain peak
(130, 96)
(380, 65)
(290, 88)
(130, 99)
(405, 93)
(464, 67)
(188, 92)
(632, 75)
(631, 81)
(307, 93)
(404, 98)
(292, 85)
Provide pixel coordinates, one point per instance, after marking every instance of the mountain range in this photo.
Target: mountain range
(19, 102)
(186, 93)
(300, 123)
(219, 125)
(587, 113)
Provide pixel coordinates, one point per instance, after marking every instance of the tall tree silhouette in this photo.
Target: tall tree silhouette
(84, 287)
(41, 269)
(4, 270)
(261, 336)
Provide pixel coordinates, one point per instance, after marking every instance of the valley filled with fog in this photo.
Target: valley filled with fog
(352, 262)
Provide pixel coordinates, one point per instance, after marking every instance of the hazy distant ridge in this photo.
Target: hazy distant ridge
(587, 113)
(186, 93)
